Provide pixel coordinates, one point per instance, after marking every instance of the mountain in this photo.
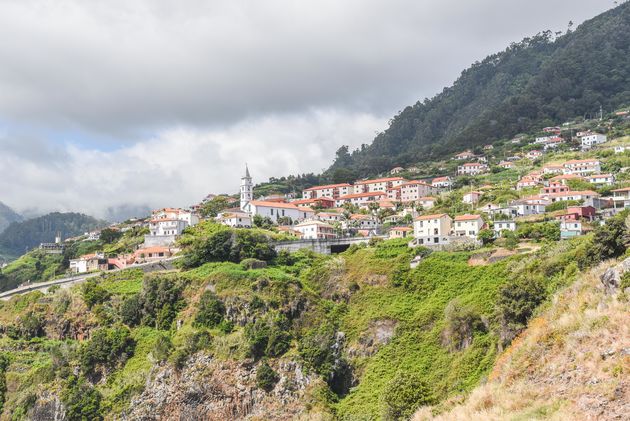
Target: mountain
(7, 216)
(20, 237)
(542, 80)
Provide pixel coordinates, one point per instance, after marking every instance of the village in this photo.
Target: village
(556, 181)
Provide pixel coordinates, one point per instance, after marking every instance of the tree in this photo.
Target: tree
(81, 401)
(404, 394)
(516, 304)
(211, 310)
(461, 323)
(93, 293)
(109, 236)
(486, 236)
(266, 377)
(214, 206)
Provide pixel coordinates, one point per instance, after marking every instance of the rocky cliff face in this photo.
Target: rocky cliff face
(211, 389)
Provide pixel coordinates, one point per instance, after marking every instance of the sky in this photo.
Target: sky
(112, 107)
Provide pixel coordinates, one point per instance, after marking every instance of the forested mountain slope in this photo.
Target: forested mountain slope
(7, 215)
(19, 237)
(540, 81)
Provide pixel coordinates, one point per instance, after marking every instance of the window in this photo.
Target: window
(272, 211)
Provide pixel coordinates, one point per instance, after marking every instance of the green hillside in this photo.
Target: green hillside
(20, 237)
(541, 81)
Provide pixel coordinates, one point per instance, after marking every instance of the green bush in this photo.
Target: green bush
(4, 363)
(211, 310)
(404, 394)
(192, 343)
(516, 304)
(81, 401)
(268, 338)
(266, 377)
(107, 347)
(93, 293)
(461, 324)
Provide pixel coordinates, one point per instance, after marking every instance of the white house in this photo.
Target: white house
(331, 190)
(582, 167)
(534, 154)
(525, 182)
(572, 195)
(188, 217)
(313, 230)
(553, 169)
(442, 182)
(432, 229)
(235, 219)
(164, 232)
(464, 155)
(570, 229)
(364, 222)
(378, 185)
(412, 191)
(472, 168)
(88, 263)
(330, 216)
(468, 225)
(471, 197)
(500, 226)
(601, 179)
(276, 210)
(621, 148)
(361, 199)
(591, 139)
(506, 164)
(526, 207)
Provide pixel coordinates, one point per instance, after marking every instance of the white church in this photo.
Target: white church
(273, 210)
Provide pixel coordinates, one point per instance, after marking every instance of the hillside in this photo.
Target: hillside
(7, 216)
(572, 362)
(538, 82)
(19, 237)
(241, 332)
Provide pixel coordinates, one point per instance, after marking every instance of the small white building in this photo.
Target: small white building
(361, 199)
(235, 219)
(188, 217)
(601, 179)
(582, 167)
(412, 191)
(621, 148)
(471, 197)
(591, 139)
(364, 222)
(500, 226)
(432, 229)
(472, 168)
(315, 230)
(534, 154)
(526, 207)
(570, 229)
(442, 182)
(468, 225)
(88, 263)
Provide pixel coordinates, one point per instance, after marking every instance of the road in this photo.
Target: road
(164, 264)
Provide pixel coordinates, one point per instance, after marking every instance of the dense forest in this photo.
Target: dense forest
(7, 215)
(19, 237)
(543, 80)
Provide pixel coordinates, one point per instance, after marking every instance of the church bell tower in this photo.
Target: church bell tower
(247, 189)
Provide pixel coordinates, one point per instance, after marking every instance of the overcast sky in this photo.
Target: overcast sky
(118, 105)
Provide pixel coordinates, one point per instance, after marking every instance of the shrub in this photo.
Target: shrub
(31, 325)
(211, 310)
(162, 348)
(192, 343)
(81, 401)
(316, 349)
(266, 377)
(405, 393)
(267, 338)
(4, 363)
(107, 347)
(461, 323)
(486, 236)
(516, 304)
(131, 310)
(93, 293)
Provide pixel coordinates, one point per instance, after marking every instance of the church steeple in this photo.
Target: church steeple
(247, 189)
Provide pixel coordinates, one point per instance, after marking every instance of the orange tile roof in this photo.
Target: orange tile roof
(274, 204)
(401, 229)
(414, 182)
(357, 195)
(433, 216)
(467, 217)
(379, 180)
(328, 186)
(440, 179)
(581, 161)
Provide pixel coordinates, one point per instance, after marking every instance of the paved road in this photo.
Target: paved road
(164, 264)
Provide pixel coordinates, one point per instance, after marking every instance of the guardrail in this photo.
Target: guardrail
(75, 279)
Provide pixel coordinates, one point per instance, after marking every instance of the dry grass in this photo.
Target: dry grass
(572, 363)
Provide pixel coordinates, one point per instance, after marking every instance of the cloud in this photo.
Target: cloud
(119, 67)
(177, 167)
(110, 106)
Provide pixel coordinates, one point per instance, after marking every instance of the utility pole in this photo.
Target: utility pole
(601, 112)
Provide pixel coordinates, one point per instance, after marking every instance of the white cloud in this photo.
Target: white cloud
(178, 166)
